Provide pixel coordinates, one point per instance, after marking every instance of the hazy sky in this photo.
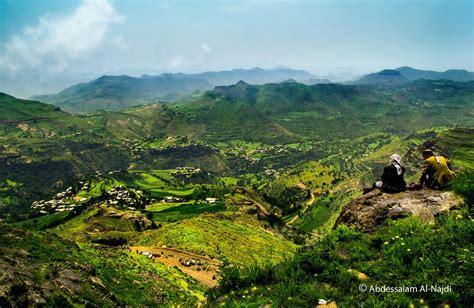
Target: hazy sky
(58, 37)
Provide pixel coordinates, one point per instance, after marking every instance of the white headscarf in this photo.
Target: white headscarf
(396, 160)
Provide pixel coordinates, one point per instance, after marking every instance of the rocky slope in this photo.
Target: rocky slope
(369, 211)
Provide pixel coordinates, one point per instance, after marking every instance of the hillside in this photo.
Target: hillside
(256, 76)
(120, 92)
(383, 78)
(232, 130)
(293, 112)
(405, 239)
(13, 109)
(453, 74)
(191, 194)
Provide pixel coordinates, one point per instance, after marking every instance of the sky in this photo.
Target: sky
(54, 41)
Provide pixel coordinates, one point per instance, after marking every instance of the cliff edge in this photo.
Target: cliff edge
(370, 211)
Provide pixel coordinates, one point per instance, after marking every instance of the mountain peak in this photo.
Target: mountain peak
(389, 72)
(386, 77)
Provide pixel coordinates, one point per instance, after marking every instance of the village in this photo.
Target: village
(68, 200)
(185, 171)
(60, 203)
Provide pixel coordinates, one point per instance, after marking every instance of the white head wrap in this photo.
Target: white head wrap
(396, 160)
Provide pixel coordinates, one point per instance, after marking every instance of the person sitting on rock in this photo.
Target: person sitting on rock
(392, 177)
(435, 172)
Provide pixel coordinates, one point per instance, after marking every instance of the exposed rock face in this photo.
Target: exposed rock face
(371, 210)
(17, 283)
(140, 221)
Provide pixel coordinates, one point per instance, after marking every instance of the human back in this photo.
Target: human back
(436, 172)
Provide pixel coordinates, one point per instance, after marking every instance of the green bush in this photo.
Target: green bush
(405, 252)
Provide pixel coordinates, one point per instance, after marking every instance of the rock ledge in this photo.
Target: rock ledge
(369, 211)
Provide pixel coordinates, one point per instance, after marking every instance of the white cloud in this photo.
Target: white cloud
(57, 40)
(205, 48)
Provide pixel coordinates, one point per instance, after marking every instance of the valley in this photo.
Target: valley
(181, 203)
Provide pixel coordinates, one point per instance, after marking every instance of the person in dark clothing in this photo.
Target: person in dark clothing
(392, 177)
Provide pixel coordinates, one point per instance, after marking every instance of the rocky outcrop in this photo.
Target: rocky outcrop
(369, 211)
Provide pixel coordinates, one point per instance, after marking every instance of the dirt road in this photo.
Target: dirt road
(201, 268)
(307, 205)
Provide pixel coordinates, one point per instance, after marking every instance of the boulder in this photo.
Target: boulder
(369, 211)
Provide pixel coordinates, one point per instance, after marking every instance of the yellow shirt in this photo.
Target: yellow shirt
(441, 174)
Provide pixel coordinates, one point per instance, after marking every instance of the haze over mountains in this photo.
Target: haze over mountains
(119, 92)
(405, 74)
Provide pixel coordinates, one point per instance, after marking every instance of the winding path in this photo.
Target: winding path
(308, 203)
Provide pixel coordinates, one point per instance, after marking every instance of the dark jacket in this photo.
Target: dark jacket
(391, 181)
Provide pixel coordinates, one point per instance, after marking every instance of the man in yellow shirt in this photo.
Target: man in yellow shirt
(435, 171)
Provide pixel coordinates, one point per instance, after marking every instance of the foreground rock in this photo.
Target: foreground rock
(369, 211)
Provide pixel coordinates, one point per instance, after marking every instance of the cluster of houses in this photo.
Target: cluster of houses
(191, 262)
(149, 255)
(135, 147)
(201, 265)
(130, 198)
(185, 171)
(270, 172)
(274, 149)
(173, 199)
(269, 149)
(60, 203)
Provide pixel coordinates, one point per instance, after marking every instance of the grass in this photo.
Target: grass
(333, 145)
(236, 241)
(404, 253)
(183, 211)
(136, 280)
(320, 214)
(43, 222)
(176, 192)
(121, 277)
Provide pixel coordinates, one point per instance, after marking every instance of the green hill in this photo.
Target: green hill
(403, 252)
(453, 74)
(240, 175)
(119, 92)
(293, 112)
(383, 78)
(203, 132)
(13, 109)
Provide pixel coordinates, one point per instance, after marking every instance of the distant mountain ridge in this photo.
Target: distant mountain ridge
(404, 74)
(452, 74)
(256, 76)
(120, 92)
(384, 77)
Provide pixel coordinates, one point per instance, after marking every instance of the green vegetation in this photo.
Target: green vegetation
(239, 242)
(96, 274)
(184, 211)
(253, 176)
(404, 253)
